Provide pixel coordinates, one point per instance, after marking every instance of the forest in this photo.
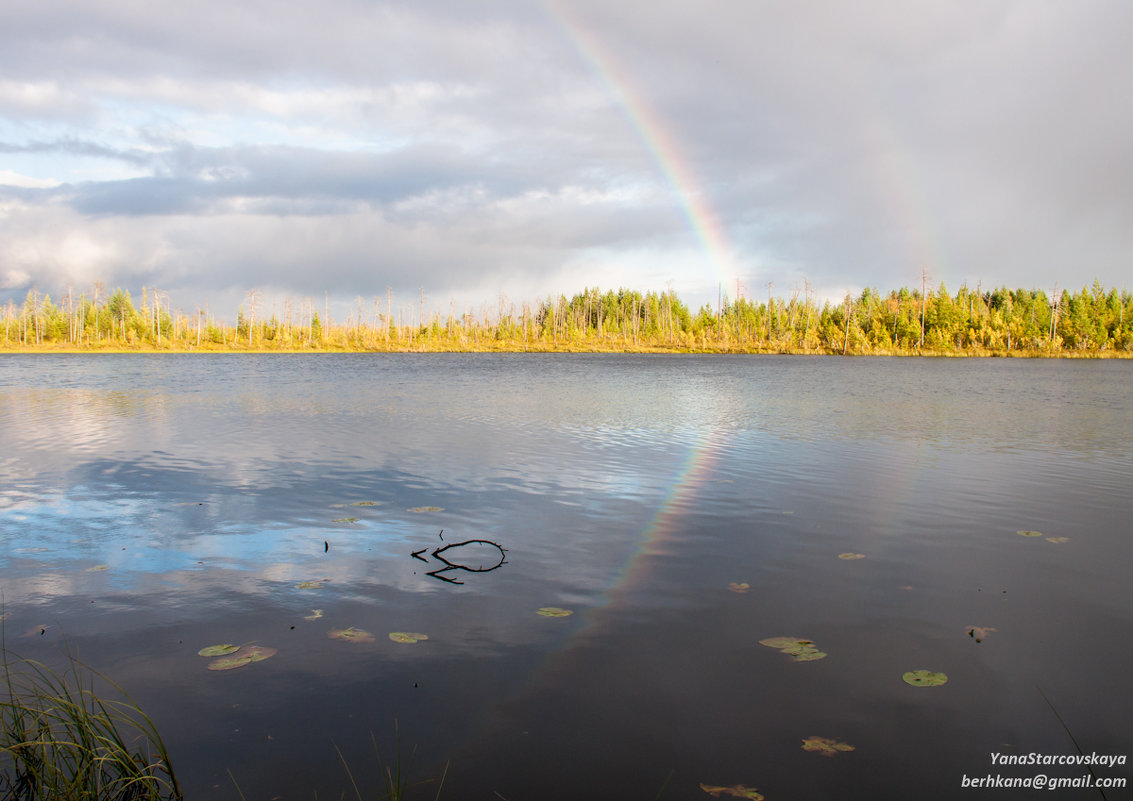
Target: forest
(1003, 322)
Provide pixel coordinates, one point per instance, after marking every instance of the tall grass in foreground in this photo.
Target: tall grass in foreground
(395, 776)
(63, 741)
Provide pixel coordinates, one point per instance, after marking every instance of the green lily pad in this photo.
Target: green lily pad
(825, 746)
(783, 643)
(345, 520)
(407, 636)
(310, 585)
(739, 586)
(851, 556)
(924, 678)
(799, 650)
(808, 655)
(366, 503)
(427, 509)
(97, 568)
(351, 635)
(243, 656)
(1029, 533)
(554, 611)
(737, 790)
(218, 650)
(1058, 539)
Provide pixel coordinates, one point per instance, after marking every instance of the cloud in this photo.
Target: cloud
(516, 147)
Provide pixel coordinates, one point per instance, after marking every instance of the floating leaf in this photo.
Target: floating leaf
(245, 655)
(218, 650)
(1058, 539)
(351, 635)
(366, 503)
(799, 650)
(310, 585)
(315, 614)
(230, 662)
(977, 633)
(554, 611)
(808, 655)
(407, 636)
(97, 569)
(257, 653)
(345, 520)
(1029, 533)
(825, 746)
(924, 678)
(737, 790)
(851, 556)
(427, 509)
(739, 587)
(784, 642)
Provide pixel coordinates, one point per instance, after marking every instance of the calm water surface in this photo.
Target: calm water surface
(154, 505)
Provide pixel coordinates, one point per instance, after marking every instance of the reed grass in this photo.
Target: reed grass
(63, 740)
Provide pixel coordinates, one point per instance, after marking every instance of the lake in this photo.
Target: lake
(683, 508)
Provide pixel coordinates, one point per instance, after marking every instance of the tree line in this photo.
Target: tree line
(1090, 321)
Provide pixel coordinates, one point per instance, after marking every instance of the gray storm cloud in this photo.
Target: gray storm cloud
(524, 147)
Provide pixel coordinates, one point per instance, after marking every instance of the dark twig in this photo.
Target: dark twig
(438, 551)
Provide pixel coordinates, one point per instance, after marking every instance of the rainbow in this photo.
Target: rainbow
(693, 473)
(665, 151)
(661, 145)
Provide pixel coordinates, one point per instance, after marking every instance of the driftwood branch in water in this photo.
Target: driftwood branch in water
(438, 551)
(437, 575)
(449, 564)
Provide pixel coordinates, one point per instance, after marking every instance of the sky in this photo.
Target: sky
(478, 155)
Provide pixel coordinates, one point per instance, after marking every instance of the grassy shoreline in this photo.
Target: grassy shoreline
(597, 348)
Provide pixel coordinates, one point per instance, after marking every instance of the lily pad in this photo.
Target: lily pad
(427, 509)
(825, 746)
(851, 556)
(351, 635)
(407, 636)
(554, 611)
(978, 633)
(315, 614)
(310, 585)
(799, 650)
(366, 503)
(230, 662)
(1058, 539)
(218, 650)
(924, 678)
(737, 790)
(257, 653)
(97, 568)
(783, 643)
(1029, 533)
(243, 656)
(739, 586)
(807, 655)
(345, 520)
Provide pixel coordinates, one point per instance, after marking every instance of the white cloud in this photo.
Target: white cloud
(10, 178)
